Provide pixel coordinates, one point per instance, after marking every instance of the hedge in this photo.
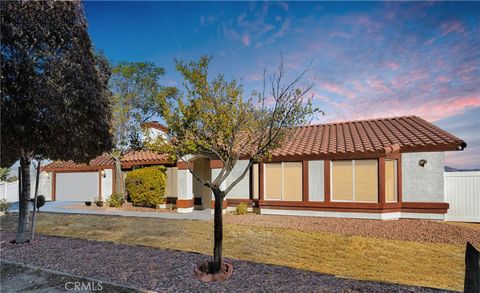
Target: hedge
(146, 186)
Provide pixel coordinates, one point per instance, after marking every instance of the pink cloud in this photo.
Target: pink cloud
(430, 41)
(378, 85)
(336, 89)
(246, 40)
(254, 77)
(392, 65)
(431, 110)
(371, 25)
(452, 26)
(401, 82)
(444, 78)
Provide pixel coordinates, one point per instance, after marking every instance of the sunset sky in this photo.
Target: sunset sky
(368, 60)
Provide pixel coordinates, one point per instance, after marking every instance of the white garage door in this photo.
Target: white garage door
(81, 186)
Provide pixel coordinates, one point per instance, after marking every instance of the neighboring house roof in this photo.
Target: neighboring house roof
(407, 133)
(155, 125)
(131, 158)
(134, 158)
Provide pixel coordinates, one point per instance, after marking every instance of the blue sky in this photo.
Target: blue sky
(368, 59)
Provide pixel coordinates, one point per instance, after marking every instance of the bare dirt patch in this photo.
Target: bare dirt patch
(404, 229)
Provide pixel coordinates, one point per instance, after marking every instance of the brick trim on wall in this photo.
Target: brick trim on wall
(54, 186)
(224, 204)
(381, 180)
(184, 203)
(412, 207)
(305, 180)
(326, 181)
(181, 165)
(216, 164)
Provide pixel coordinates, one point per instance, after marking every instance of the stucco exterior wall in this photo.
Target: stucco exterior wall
(202, 169)
(423, 184)
(316, 181)
(185, 184)
(172, 179)
(242, 189)
(107, 184)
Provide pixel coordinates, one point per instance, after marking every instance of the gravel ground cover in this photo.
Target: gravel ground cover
(172, 271)
(403, 229)
(438, 265)
(18, 278)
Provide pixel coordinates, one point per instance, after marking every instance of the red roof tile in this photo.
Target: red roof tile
(131, 158)
(99, 162)
(410, 133)
(143, 157)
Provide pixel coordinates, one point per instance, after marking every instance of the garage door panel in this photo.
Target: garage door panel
(81, 186)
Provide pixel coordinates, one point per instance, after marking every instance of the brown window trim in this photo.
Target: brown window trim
(304, 180)
(411, 207)
(327, 203)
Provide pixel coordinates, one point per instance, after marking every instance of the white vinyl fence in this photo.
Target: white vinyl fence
(9, 190)
(462, 192)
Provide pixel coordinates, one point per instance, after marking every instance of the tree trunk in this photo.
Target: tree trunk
(37, 179)
(119, 185)
(218, 233)
(23, 199)
(472, 270)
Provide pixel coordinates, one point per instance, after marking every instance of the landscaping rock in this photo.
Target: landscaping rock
(172, 271)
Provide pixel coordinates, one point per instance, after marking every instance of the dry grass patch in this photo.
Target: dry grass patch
(405, 262)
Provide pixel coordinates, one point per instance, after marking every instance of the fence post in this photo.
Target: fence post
(472, 270)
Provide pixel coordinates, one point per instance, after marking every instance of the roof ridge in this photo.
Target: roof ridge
(360, 120)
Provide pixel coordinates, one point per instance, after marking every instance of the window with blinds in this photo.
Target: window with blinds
(366, 180)
(354, 180)
(391, 181)
(342, 180)
(283, 181)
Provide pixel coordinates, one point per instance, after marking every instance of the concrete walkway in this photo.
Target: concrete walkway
(62, 207)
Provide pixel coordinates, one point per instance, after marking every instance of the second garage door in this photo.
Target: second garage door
(80, 186)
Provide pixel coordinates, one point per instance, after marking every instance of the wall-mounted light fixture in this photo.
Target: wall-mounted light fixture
(104, 174)
(422, 162)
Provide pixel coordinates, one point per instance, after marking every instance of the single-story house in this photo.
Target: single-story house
(386, 168)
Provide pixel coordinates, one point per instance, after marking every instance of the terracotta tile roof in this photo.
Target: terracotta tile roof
(131, 158)
(143, 157)
(409, 133)
(99, 162)
(155, 124)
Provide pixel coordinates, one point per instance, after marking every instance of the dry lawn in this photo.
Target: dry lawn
(436, 265)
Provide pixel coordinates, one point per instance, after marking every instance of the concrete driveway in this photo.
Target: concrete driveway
(65, 208)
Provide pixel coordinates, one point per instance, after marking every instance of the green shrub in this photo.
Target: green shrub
(146, 186)
(242, 208)
(115, 200)
(40, 201)
(4, 205)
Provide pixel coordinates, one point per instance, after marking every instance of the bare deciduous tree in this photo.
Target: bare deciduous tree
(212, 119)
